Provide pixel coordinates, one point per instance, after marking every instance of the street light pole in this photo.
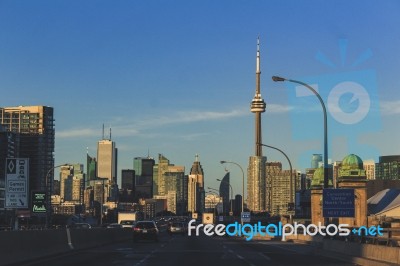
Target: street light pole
(326, 176)
(49, 192)
(291, 172)
(222, 181)
(222, 162)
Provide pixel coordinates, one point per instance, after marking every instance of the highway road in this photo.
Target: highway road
(185, 250)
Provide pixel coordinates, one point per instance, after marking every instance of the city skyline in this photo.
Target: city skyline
(177, 80)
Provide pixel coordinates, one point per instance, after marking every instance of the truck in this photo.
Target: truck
(128, 219)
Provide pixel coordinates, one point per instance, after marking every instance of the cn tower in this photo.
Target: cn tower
(258, 104)
(256, 175)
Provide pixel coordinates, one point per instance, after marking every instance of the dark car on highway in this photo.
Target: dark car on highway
(145, 230)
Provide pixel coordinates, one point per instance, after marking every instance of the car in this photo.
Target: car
(177, 228)
(128, 223)
(115, 225)
(145, 230)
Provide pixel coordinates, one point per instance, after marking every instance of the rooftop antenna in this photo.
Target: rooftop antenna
(110, 132)
(103, 132)
(148, 153)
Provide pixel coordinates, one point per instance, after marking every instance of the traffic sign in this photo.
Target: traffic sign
(338, 202)
(245, 216)
(17, 183)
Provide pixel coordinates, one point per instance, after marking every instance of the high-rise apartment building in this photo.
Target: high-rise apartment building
(107, 160)
(196, 192)
(388, 167)
(224, 189)
(369, 167)
(256, 168)
(35, 127)
(272, 169)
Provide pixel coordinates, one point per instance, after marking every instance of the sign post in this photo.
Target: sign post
(17, 183)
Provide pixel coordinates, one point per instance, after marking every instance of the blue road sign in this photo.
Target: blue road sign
(338, 202)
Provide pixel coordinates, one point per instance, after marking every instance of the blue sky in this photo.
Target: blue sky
(177, 77)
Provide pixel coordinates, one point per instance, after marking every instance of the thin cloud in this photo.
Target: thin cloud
(73, 133)
(278, 108)
(390, 108)
(135, 127)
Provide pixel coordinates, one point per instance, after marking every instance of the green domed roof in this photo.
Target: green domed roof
(318, 178)
(352, 161)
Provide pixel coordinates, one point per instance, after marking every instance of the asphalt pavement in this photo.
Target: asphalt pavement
(193, 250)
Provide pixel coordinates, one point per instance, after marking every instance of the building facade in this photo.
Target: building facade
(72, 183)
(388, 168)
(272, 169)
(224, 192)
(91, 169)
(196, 191)
(107, 160)
(9, 143)
(143, 167)
(35, 127)
(256, 186)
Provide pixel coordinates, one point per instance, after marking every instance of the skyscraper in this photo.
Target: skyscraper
(224, 189)
(158, 171)
(35, 127)
(71, 182)
(272, 169)
(171, 181)
(315, 160)
(256, 170)
(143, 167)
(196, 192)
(91, 167)
(107, 160)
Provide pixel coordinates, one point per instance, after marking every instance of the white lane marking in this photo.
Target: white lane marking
(146, 258)
(243, 259)
(69, 239)
(264, 256)
(277, 246)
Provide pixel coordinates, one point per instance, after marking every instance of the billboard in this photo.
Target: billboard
(17, 183)
(38, 202)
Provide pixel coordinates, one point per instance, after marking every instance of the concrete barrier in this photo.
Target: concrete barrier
(19, 246)
(373, 252)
